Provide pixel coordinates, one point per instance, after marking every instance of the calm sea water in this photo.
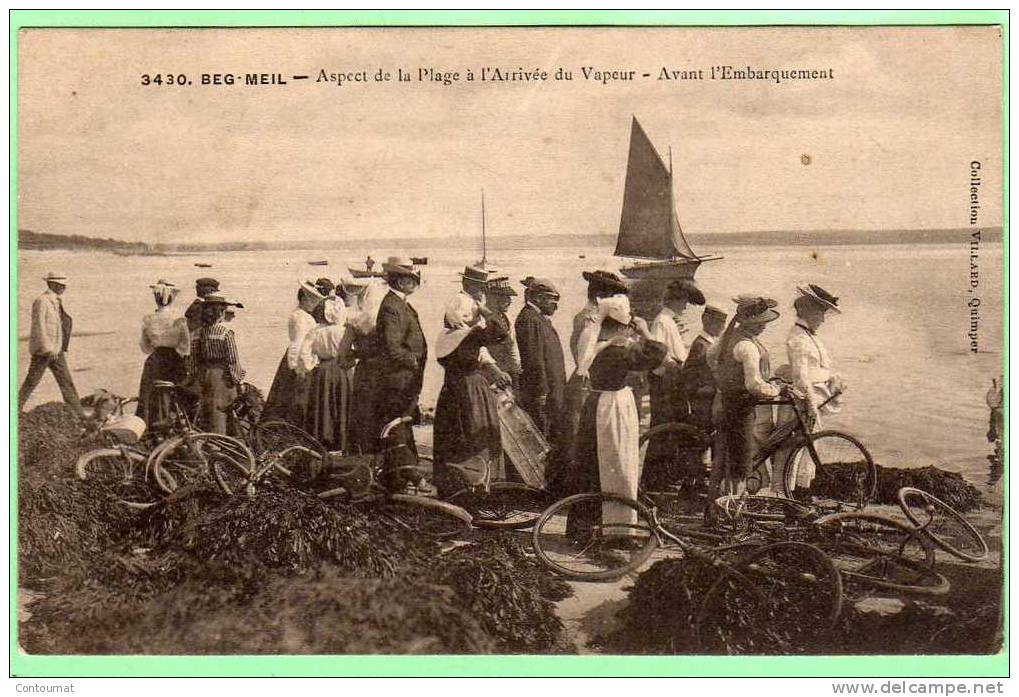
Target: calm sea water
(916, 391)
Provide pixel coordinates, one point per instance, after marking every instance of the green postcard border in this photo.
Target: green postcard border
(23, 665)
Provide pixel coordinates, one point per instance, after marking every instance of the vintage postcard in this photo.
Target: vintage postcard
(549, 341)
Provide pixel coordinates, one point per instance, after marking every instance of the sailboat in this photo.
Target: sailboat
(649, 227)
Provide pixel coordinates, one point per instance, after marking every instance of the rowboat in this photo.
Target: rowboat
(203, 266)
(361, 273)
(318, 263)
(420, 261)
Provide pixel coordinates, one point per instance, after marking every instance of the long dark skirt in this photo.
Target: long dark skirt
(363, 431)
(466, 425)
(329, 390)
(162, 364)
(665, 463)
(288, 396)
(215, 396)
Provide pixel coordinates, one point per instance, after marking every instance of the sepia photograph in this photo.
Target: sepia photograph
(486, 340)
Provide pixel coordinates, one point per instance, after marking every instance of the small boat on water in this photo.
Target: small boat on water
(323, 262)
(649, 227)
(203, 266)
(362, 273)
(420, 261)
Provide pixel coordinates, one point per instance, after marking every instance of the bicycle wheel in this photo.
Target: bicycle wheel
(299, 455)
(436, 519)
(732, 616)
(185, 459)
(506, 505)
(942, 524)
(843, 470)
(803, 589)
(733, 507)
(594, 536)
(880, 552)
(121, 475)
(233, 477)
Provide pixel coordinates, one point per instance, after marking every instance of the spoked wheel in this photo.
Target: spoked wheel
(436, 519)
(942, 524)
(803, 590)
(595, 536)
(186, 459)
(730, 619)
(880, 552)
(122, 476)
(296, 454)
(233, 477)
(506, 505)
(734, 507)
(838, 467)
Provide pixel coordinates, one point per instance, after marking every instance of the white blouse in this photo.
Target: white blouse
(299, 325)
(749, 356)
(164, 329)
(666, 328)
(813, 374)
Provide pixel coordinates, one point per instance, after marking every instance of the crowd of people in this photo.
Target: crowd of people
(356, 353)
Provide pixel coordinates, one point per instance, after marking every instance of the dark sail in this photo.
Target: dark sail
(649, 227)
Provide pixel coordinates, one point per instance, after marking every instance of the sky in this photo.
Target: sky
(889, 139)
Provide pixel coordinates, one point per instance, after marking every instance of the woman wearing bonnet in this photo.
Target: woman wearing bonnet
(165, 339)
(466, 414)
(608, 442)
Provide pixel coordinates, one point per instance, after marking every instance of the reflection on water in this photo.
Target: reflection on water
(916, 392)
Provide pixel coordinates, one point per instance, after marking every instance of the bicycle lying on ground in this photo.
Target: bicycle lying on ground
(603, 536)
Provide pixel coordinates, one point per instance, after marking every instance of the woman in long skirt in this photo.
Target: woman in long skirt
(214, 368)
(326, 358)
(608, 441)
(288, 395)
(468, 439)
(165, 339)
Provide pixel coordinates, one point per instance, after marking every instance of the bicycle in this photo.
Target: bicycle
(353, 479)
(944, 526)
(870, 550)
(789, 580)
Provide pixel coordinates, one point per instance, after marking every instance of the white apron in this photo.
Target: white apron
(618, 429)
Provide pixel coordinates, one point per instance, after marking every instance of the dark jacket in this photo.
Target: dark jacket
(402, 347)
(541, 360)
(697, 382)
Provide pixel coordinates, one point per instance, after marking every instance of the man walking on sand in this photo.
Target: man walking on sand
(51, 335)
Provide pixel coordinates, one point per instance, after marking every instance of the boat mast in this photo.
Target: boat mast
(484, 246)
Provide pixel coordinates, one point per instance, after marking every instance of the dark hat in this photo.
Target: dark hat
(684, 288)
(821, 296)
(712, 311)
(540, 285)
(217, 299)
(208, 282)
(500, 286)
(475, 273)
(325, 286)
(605, 281)
(756, 310)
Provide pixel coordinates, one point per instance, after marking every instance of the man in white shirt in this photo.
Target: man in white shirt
(662, 463)
(48, 343)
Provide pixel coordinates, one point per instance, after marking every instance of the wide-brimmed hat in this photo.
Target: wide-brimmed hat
(500, 286)
(605, 281)
(54, 277)
(349, 281)
(208, 282)
(475, 273)
(218, 299)
(821, 296)
(401, 266)
(312, 290)
(756, 311)
(540, 285)
(684, 288)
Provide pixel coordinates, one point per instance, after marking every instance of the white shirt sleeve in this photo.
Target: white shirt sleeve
(585, 347)
(800, 349)
(300, 324)
(306, 358)
(750, 358)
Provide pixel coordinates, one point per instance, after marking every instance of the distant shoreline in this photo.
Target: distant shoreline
(29, 240)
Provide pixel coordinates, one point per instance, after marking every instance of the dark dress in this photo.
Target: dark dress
(466, 414)
(288, 395)
(608, 373)
(330, 386)
(362, 434)
(663, 462)
(164, 363)
(739, 408)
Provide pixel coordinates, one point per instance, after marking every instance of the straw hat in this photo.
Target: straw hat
(312, 290)
(474, 273)
(54, 277)
(757, 311)
(821, 296)
(605, 281)
(401, 266)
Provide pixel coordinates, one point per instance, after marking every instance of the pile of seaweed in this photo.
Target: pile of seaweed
(950, 487)
(281, 572)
